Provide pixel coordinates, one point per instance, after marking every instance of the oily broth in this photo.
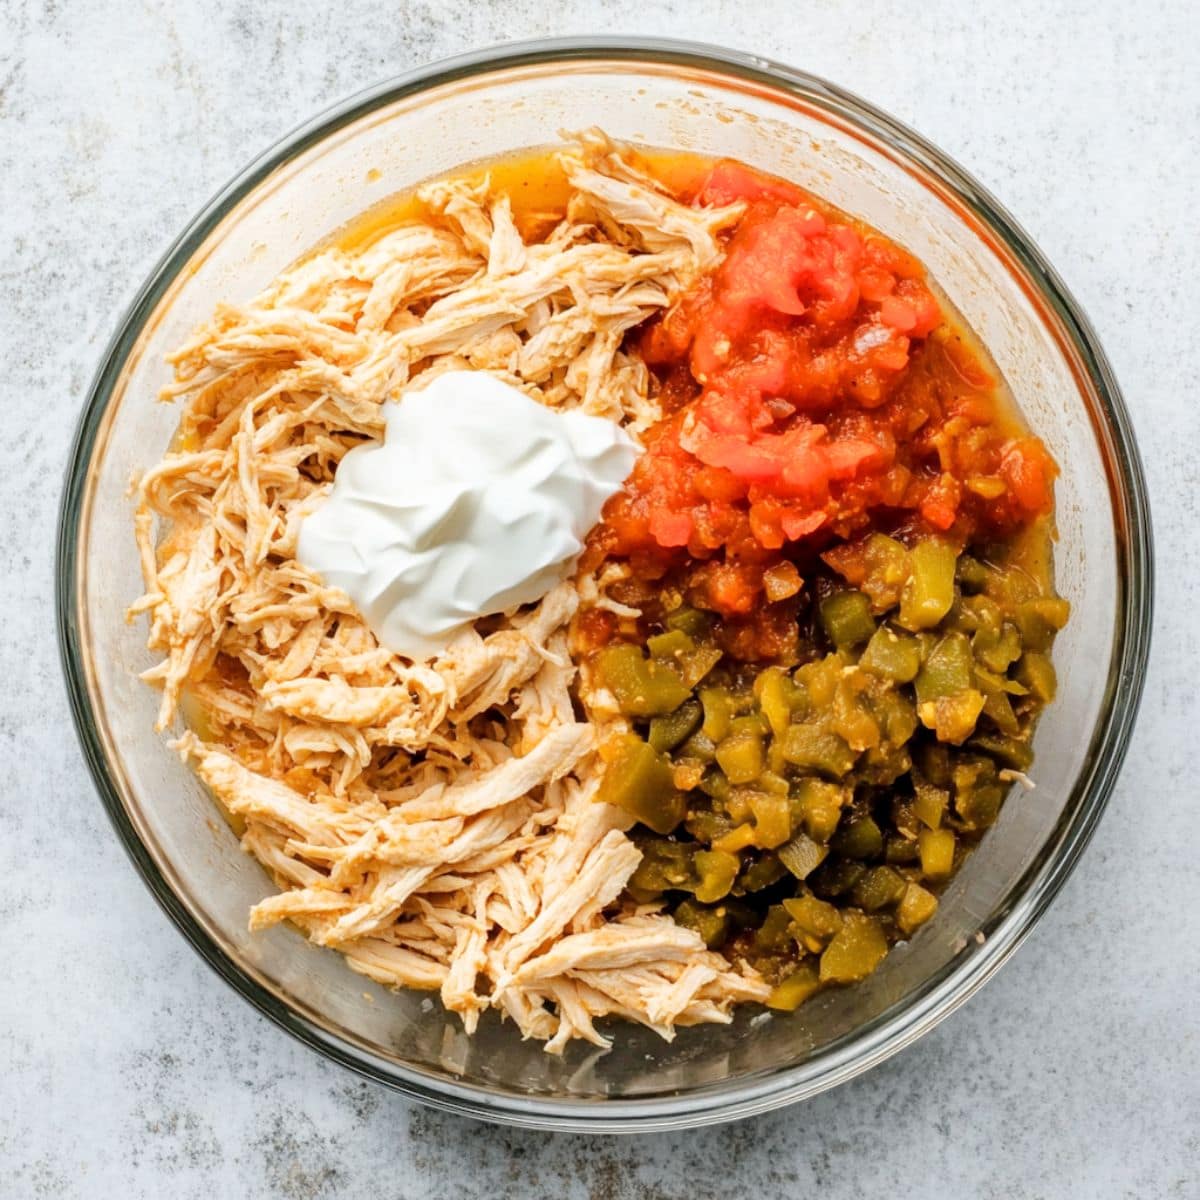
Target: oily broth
(534, 182)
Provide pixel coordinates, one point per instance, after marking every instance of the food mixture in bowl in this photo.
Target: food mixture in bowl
(608, 583)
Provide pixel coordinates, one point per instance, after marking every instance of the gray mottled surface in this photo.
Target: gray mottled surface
(126, 1068)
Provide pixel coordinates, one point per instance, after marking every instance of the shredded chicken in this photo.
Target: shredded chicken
(435, 824)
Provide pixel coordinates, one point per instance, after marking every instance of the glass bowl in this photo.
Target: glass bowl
(662, 94)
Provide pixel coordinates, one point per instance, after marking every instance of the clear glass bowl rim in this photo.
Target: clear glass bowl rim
(905, 1022)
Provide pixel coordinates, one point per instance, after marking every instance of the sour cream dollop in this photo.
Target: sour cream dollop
(477, 501)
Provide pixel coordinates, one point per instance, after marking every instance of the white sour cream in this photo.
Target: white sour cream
(477, 501)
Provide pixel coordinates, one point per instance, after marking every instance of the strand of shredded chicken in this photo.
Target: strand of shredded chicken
(435, 824)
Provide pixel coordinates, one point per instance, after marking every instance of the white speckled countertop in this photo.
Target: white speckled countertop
(128, 1069)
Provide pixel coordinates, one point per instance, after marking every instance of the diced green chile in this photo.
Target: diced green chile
(665, 866)
(639, 779)
(929, 592)
(861, 839)
(847, 618)
(644, 687)
(947, 671)
(803, 817)
(711, 923)
(740, 756)
(801, 855)
(892, 654)
(716, 871)
(815, 748)
(761, 873)
(692, 621)
(670, 644)
(669, 731)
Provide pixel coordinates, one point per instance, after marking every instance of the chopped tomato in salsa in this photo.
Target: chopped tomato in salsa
(813, 389)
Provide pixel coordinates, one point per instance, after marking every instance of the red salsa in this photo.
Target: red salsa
(813, 389)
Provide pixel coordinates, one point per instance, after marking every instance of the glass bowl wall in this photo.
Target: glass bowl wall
(665, 95)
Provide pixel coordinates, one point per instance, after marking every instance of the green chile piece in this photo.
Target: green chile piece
(893, 655)
(644, 687)
(846, 618)
(856, 950)
(692, 621)
(760, 874)
(716, 870)
(879, 888)
(817, 806)
(835, 877)
(937, 853)
(670, 644)
(947, 671)
(778, 697)
(740, 756)
(801, 855)
(640, 780)
(860, 839)
(696, 664)
(712, 924)
(915, 908)
(1009, 752)
(815, 918)
(929, 592)
(774, 935)
(1036, 672)
(1040, 619)
(887, 568)
(669, 731)
(972, 574)
(666, 866)
(720, 708)
(794, 988)
(811, 746)
(953, 718)
(930, 804)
